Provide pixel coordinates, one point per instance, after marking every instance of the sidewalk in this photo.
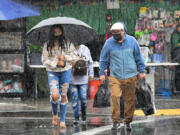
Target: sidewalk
(14, 107)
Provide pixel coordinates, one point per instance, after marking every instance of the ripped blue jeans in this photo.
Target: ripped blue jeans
(78, 92)
(59, 84)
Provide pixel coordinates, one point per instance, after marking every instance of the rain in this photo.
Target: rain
(26, 91)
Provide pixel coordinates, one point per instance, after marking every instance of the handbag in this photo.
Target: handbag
(102, 97)
(79, 68)
(144, 98)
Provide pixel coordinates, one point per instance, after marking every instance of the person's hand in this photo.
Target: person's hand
(61, 57)
(179, 44)
(102, 78)
(141, 76)
(105, 71)
(74, 62)
(60, 63)
(82, 58)
(90, 78)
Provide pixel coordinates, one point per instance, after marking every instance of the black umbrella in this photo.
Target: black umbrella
(74, 30)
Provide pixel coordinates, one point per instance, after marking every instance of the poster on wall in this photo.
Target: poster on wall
(12, 63)
(10, 40)
(11, 25)
(11, 84)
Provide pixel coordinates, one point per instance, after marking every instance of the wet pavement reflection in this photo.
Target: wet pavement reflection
(160, 127)
(39, 126)
(34, 118)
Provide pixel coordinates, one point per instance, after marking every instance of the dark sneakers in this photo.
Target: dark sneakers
(76, 121)
(115, 126)
(127, 126)
(83, 116)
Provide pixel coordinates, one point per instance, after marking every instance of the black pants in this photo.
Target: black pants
(177, 78)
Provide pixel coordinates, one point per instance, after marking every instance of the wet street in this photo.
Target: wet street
(42, 126)
(39, 126)
(34, 118)
(162, 126)
(91, 62)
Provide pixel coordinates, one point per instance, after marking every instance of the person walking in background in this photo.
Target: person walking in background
(82, 72)
(121, 54)
(175, 41)
(57, 56)
(175, 37)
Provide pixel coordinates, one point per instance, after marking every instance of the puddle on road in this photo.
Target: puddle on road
(160, 127)
(35, 126)
(39, 126)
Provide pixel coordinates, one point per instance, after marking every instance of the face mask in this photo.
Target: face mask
(57, 37)
(117, 37)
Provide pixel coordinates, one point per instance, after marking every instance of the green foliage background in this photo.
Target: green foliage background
(95, 13)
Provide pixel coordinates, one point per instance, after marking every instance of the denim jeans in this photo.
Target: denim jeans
(79, 92)
(58, 84)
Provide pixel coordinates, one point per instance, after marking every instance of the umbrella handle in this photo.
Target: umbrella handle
(39, 33)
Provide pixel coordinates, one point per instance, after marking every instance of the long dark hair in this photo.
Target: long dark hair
(62, 40)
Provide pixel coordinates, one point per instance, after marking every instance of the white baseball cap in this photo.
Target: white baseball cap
(117, 26)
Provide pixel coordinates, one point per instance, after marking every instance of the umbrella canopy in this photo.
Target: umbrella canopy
(11, 10)
(74, 30)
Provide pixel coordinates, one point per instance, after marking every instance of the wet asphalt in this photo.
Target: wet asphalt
(163, 126)
(43, 126)
(33, 117)
(39, 126)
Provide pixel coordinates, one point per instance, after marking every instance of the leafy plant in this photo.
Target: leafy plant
(34, 48)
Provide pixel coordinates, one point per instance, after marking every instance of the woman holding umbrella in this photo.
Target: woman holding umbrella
(58, 55)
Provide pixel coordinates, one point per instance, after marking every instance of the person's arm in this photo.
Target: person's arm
(51, 62)
(139, 58)
(104, 59)
(70, 54)
(90, 64)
